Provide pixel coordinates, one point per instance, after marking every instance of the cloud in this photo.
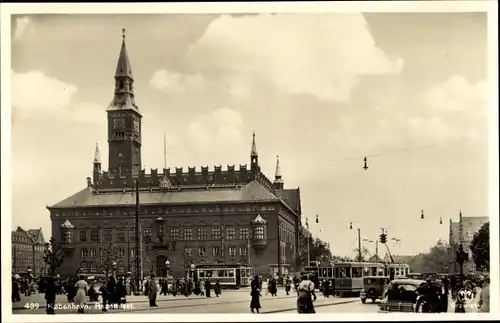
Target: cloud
(457, 94)
(300, 54)
(23, 26)
(34, 92)
(175, 83)
(217, 133)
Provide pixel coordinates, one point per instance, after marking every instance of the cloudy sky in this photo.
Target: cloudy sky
(321, 90)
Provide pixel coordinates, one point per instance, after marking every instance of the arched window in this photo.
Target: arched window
(121, 267)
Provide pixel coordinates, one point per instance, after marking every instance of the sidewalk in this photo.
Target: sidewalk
(38, 300)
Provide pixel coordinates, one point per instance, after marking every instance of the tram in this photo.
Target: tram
(401, 270)
(230, 276)
(349, 276)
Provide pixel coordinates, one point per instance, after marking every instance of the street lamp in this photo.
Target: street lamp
(167, 268)
(114, 268)
(192, 267)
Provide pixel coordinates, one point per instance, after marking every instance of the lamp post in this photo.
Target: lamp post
(114, 268)
(192, 267)
(167, 268)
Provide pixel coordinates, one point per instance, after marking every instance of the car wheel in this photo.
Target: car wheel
(373, 300)
(363, 300)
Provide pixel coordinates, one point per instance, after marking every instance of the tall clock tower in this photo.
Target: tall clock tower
(124, 120)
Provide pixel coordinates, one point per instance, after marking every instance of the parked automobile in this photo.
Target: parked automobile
(373, 288)
(401, 295)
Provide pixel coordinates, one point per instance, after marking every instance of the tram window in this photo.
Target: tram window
(324, 272)
(373, 271)
(330, 272)
(357, 272)
(249, 271)
(220, 273)
(230, 272)
(337, 272)
(209, 273)
(201, 274)
(366, 271)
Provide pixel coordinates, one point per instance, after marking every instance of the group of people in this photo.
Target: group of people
(304, 288)
(181, 286)
(433, 295)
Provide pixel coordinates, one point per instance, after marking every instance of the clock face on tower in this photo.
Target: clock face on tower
(119, 123)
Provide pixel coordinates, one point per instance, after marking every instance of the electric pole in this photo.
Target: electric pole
(137, 232)
(360, 256)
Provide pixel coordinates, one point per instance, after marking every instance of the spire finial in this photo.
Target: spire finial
(123, 34)
(253, 152)
(97, 154)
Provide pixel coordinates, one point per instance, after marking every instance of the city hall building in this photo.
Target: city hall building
(187, 216)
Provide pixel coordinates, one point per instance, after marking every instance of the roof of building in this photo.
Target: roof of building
(253, 191)
(291, 197)
(36, 235)
(123, 68)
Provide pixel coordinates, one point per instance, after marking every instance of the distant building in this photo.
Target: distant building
(28, 251)
(462, 232)
(198, 216)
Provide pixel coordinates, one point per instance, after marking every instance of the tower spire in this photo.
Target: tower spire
(254, 156)
(123, 68)
(97, 154)
(253, 152)
(278, 180)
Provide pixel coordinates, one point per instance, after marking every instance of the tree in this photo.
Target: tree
(364, 253)
(374, 258)
(318, 249)
(480, 247)
(54, 255)
(437, 260)
(108, 255)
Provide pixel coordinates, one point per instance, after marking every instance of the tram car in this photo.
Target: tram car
(230, 276)
(349, 276)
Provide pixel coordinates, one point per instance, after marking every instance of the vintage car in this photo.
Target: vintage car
(401, 295)
(373, 288)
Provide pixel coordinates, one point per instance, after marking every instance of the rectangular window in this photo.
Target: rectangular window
(259, 233)
(202, 233)
(94, 235)
(82, 235)
(174, 234)
(188, 234)
(201, 252)
(131, 253)
(216, 251)
(243, 233)
(232, 251)
(131, 234)
(216, 234)
(93, 253)
(107, 235)
(93, 267)
(121, 253)
(120, 235)
(243, 251)
(147, 235)
(84, 253)
(230, 233)
(187, 251)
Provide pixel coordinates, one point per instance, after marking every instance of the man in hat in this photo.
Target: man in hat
(152, 291)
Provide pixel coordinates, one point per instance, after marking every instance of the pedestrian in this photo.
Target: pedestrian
(484, 297)
(121, 291)
(104, 295)
(288, 286)
(217, 288)
(255, 294)
(81, 287)
(265, 287)
(50, 295)
(16, 295)
(207, 288)
(152, 291)
(273, 287)
(112, 301)
(306, 296)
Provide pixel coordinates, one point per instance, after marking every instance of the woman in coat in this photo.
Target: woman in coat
(81, 293)
(217, 288)
(255, 293)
